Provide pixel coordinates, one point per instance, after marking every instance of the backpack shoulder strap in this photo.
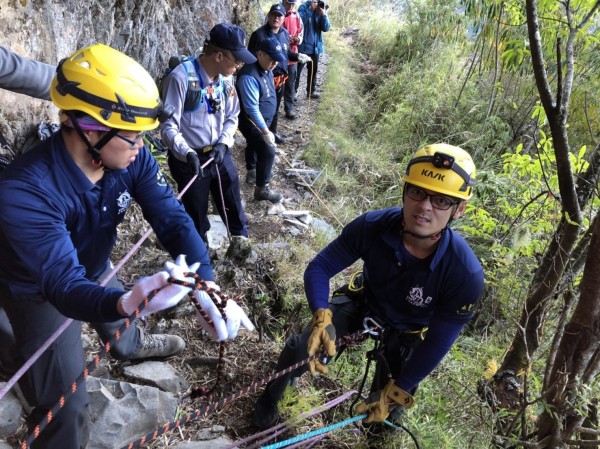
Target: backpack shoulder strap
(193, 96)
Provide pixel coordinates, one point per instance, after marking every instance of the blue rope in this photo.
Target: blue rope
(313, 433)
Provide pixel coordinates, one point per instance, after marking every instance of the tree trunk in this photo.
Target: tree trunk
(576, 362)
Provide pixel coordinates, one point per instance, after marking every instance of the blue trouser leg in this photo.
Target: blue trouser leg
(289, 90)
(347, 318)
(129, 340)
(278, 97)
(257, 151)
(311, 81)
(34, 320)
(196, 198)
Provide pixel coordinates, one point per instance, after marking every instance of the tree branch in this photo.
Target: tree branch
(537, 56)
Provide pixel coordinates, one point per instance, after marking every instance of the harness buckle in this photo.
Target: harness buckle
(419, 332)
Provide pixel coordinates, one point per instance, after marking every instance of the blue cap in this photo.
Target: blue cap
(273, 48)
(277, 9)
(231, 37)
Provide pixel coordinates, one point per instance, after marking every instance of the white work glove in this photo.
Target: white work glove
(168, 294)
(218, 331)
(304, 59)
(176, 270)
(269, 139)
(222, 330)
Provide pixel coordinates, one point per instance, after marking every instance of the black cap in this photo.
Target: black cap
(273, 48)
(231, 37)
(277, 9)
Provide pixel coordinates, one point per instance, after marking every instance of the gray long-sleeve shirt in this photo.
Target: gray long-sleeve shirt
(199, 128)
(25, 76)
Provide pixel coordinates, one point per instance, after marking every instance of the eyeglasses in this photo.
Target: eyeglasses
(437, 201)
(132, 143)
(236, 63)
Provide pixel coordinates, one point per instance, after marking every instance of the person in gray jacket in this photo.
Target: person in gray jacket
(29, 77)
(25, 76)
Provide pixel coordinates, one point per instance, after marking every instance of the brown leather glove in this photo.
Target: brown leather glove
(378, 403)
(322, 338)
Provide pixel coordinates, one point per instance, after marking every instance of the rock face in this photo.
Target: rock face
(150, 31)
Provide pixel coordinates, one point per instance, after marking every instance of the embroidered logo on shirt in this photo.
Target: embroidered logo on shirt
(124, 201)
(415, 297)
(160, 179)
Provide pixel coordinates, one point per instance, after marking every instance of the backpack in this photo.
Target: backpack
(195, 92)
(193, 96)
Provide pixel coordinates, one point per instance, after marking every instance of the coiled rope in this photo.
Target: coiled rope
(216, 405)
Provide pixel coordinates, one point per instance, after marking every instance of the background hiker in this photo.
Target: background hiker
(73, 190)
(274, 29)
(293, 24)
(202, 127)
(316, 22)
(420, 281)
(256, 89)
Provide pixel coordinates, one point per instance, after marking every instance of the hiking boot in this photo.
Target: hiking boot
(264, 193)
(265, 412)
(251, 176)
(279, 138)
(290, 115)
(158, 346)
(315, 95)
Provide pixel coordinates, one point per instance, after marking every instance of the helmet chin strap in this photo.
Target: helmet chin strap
(433, 237)
(94, 150)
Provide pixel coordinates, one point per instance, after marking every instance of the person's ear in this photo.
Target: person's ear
(460, 210)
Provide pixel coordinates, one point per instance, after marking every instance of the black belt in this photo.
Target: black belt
(204, 150)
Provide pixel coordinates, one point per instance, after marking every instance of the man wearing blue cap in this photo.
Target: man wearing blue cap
(273, 28)
(256, 88)
(203, 126)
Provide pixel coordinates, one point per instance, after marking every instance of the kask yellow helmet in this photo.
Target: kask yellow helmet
(110, 87)
(442, 168)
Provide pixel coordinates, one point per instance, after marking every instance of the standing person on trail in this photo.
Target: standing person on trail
(33, 78)
(60, 206)
(420, 282)
(316, 22)
(256, 89)
(274, 29)
(204, 129)
(293, 24)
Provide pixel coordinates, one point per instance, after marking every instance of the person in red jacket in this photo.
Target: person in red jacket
(293, 24)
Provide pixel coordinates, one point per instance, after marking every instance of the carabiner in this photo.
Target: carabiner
(371, 326)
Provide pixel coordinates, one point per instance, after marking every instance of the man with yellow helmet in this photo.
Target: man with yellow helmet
(60, 207)
(420, 281)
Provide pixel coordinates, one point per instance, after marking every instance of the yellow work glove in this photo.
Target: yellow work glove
(378, 403)
(322, 338)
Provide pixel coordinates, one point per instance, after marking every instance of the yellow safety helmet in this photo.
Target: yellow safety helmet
(110, 87)
(442, 168)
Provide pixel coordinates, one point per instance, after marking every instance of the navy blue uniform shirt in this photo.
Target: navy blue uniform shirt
(57, 229)
(404, 292)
